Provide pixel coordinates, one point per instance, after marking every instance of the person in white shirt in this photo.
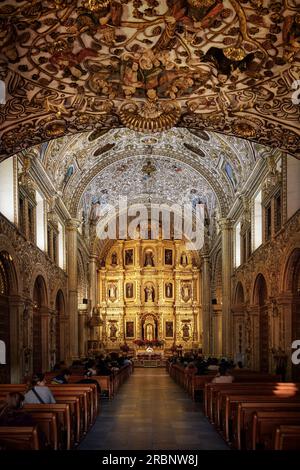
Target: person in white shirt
(223, 377)
(39, 392)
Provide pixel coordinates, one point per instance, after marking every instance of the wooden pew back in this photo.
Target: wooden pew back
(287, 438)
(19, 438)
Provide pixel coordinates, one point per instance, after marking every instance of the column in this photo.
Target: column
(45, 331)
(206, 303)
(16, 308)
(93, 280)
(82, 319)
(72, 248)
(227, 263)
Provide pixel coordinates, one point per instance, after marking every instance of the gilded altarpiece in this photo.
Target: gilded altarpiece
(149, 292)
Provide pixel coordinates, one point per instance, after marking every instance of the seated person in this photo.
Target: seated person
(11, 413)
(39, 392)
(88, 380)
(91, 367)
(62, 378)
(223, 376)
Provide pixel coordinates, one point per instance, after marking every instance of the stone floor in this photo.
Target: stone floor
(151, 412)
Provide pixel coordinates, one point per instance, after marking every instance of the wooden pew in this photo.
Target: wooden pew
(77, 419)
(19, 438)
(47, 423)
(212, 390)
(287, 438)
(86, 393)
(276, 390)
(265, 423)
(244, 416)
(62, 412)
(232, 402)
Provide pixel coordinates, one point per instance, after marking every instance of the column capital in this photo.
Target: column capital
(225, 223)
(73, 224)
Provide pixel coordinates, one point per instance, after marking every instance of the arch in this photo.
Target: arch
(60, 308)
(40, 302)
(8, 287)
(291, 271)
(260, 297)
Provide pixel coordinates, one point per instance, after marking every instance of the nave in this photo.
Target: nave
(151, 411)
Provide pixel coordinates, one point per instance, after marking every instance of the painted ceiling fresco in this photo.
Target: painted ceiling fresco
(169, 166)
(227, 66)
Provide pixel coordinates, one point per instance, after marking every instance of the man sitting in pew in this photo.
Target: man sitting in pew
(223, 376)
(62, 378)
(39, 392)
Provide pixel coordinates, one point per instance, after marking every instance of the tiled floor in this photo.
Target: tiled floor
(151, 412)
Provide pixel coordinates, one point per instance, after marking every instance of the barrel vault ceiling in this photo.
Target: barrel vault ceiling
(224, 66)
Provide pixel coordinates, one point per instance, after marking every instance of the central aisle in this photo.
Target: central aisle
(151, 412)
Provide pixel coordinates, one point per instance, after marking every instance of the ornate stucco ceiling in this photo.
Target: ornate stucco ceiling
(187, 165)
(226, 66)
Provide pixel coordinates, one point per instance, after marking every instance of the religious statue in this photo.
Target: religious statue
(129, 290)
(112, 291)
(183, 259)
(149, 294)
(185, 331)
(114, 259)
(113, 331)
(168, 257)
(149, 261)
(186, 292)
(169, 290)
(129, 257)
(149, 332)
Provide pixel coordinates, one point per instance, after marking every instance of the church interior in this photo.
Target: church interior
(166, 103)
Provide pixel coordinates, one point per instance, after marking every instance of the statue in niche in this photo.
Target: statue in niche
(149, 294)
(168, 257)
(114, 259)
(149, 261)
(183, 259)
(128, 257)
(169, 290)
(112, 292)
(149, 332)
(113, 331)
(186, 292)
(185, 331)
(129, 290)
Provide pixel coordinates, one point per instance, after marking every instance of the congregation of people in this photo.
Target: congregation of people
(198, 365)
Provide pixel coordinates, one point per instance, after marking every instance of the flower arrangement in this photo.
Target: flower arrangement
(146, 342)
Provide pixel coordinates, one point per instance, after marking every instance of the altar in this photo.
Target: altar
(149, 358)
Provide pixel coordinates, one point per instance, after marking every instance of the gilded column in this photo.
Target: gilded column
(72, 248)
(227, 264)
(206, 304)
